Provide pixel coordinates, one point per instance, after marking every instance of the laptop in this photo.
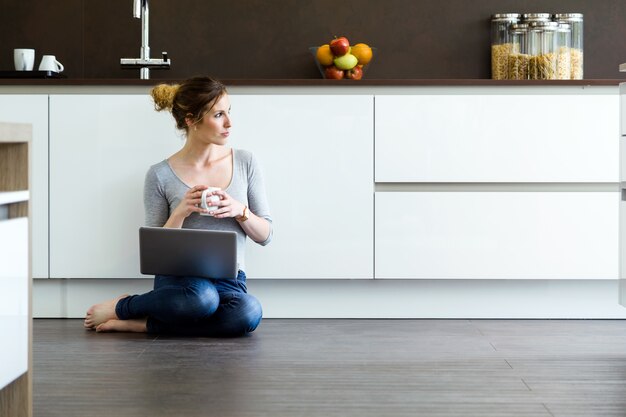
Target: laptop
(188, 252)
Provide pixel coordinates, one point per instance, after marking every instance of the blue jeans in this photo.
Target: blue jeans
(195, 306)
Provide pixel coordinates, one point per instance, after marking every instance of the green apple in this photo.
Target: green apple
(346, 62)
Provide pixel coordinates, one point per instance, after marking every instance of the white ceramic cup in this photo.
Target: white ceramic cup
(50, 63)
(213, 198)
(24, 59)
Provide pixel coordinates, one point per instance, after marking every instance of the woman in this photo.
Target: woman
(172, 194)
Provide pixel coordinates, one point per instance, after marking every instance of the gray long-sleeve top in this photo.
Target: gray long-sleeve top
(163, 191)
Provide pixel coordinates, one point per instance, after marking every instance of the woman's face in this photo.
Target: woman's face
(214, 126)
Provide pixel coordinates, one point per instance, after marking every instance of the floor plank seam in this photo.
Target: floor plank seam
(480, 332)
(547, 409)
(149, 346)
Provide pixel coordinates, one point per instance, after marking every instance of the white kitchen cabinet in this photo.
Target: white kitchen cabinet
(15, 283)
(622, 244)
(622, 196)
(318, 166)
(317, 157)
(622, 158)
(14, 294)
(33, 109)
(497, 138)
(491, 235)
(100, 149)
(622, 106)
(622, 103)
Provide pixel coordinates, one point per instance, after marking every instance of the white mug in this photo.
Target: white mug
(50, 63)
(24, 59)
(213, 198)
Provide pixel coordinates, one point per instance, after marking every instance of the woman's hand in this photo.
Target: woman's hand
(255, 227)
(190, 203)
(227, 206)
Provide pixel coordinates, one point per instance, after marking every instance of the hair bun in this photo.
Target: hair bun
(163, 96)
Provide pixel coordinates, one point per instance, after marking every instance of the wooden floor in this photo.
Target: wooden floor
(328, 368)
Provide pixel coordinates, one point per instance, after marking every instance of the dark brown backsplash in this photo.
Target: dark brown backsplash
(447, 39)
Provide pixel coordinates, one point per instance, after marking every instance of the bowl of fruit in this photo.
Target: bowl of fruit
(337, 59)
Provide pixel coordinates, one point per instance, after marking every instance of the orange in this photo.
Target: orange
(362, 52)
(324, 55)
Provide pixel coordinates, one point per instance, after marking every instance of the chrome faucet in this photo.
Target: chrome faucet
(141, 10)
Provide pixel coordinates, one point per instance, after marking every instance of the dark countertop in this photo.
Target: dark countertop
(313, 82)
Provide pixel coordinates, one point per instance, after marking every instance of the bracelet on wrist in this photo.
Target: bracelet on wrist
(244, 215)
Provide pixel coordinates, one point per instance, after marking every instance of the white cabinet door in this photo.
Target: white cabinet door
(33, 109)
(497, 138)
(318, 172)
(100, 150)
(317, 155)
(622, 102)
(507, 235)
(13, 298)
(622, 158)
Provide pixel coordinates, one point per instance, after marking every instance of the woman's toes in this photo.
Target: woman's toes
(104, 327)
(134, 325)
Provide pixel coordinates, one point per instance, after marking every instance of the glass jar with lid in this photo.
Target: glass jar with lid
(563, 52)
(575, 20)
(519, 58)
(536, 17)
(501, 43)
(542, 44)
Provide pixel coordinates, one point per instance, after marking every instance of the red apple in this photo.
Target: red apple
(333, 73)
(355, 73)
(339, 46)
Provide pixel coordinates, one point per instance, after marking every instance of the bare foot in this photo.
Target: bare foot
(101, 313)
(134, 326)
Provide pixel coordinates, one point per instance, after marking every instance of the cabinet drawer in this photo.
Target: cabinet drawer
(508, 235)
(497, 138)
